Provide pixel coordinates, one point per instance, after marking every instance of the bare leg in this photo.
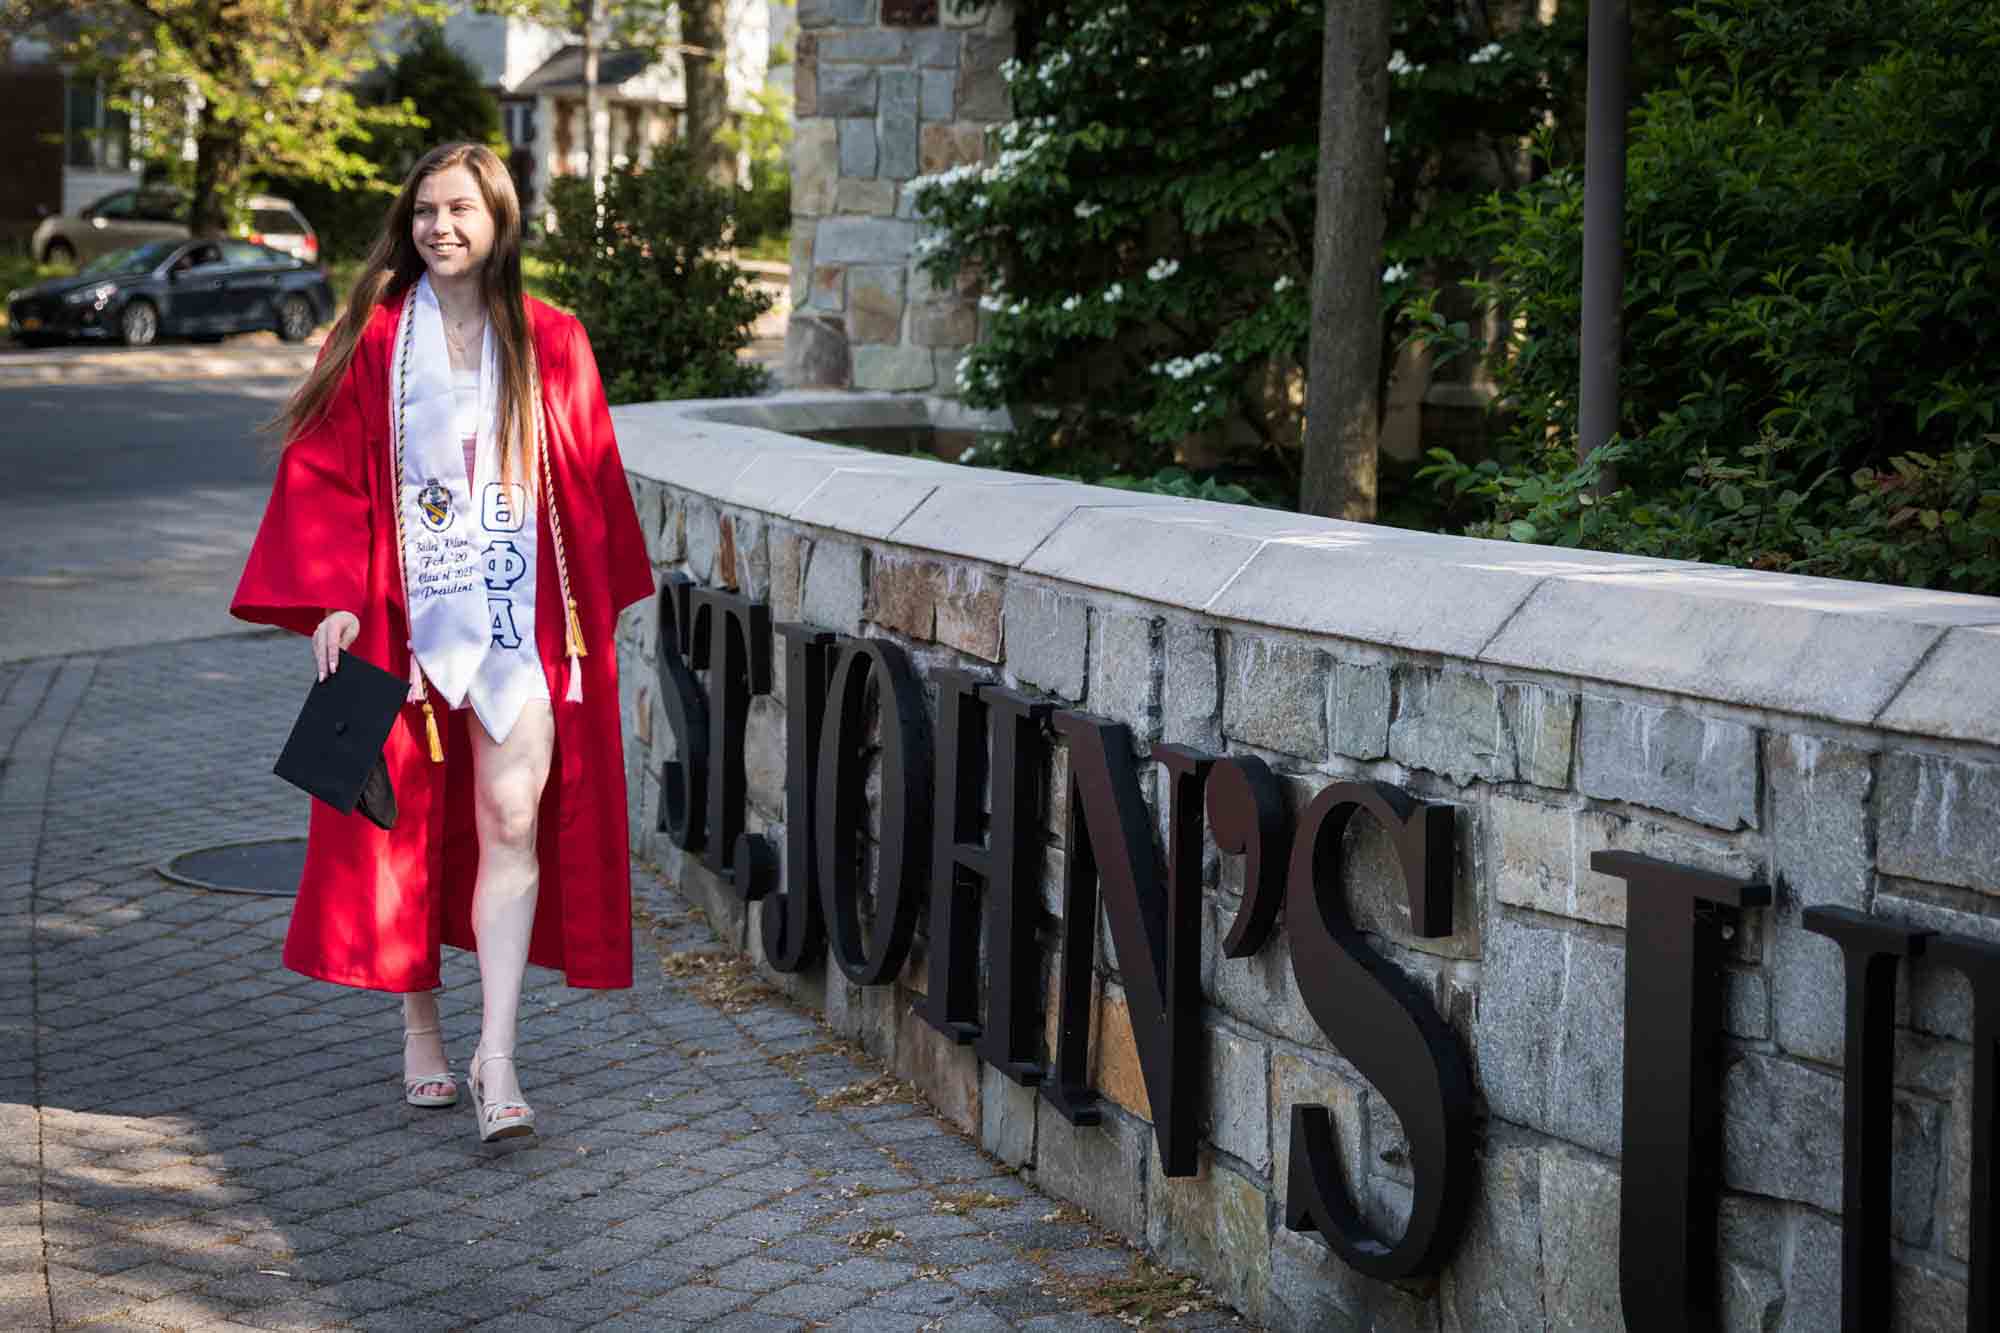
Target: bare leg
(507, 784)
(423, 1054)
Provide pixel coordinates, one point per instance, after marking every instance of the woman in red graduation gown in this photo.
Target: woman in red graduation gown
(450, 505)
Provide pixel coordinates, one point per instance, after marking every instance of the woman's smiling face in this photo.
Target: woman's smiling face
(451, 225)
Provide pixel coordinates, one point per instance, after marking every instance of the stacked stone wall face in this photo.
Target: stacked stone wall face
(879, 103)
(1827, 739)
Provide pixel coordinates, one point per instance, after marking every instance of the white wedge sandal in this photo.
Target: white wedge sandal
(412, 1086)
(494, 1120)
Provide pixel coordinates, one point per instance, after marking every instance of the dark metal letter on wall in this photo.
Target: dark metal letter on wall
(1386, 1027)
(1156, 927)
(792, 929)
(1246, 813)
(1873, 949)
(984, 731)
(1979, 960)
(730, 637)
(684, 778)
(841, 809)
(1671, 1161)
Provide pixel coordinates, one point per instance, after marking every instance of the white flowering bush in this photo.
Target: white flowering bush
(1149, 216)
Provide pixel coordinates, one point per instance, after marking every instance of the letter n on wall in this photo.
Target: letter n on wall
(1156, 927)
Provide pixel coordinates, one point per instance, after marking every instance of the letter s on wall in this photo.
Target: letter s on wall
(1380, 1020)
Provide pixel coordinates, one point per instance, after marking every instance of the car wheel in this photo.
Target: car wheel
(60, 254)
(140, 324)
(295, 318)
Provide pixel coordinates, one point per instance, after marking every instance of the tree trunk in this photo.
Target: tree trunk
(218, 170)
(592, 159)
(1343, 412)
(704, 47)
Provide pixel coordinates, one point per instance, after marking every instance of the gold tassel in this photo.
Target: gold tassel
(431, 732)
(576, 648)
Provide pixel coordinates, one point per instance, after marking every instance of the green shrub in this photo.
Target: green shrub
(1143, 227)
(764, 206)
(638, 266)
(1812, 306)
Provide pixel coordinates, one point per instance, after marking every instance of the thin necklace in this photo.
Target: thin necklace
(457, 331)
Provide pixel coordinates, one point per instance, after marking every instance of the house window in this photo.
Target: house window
(519, 120)
(96, 136)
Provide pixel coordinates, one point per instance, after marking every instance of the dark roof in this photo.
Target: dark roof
(563, 71)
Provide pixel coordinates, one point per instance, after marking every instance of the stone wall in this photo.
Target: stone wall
(1834, 740)
(877, 104)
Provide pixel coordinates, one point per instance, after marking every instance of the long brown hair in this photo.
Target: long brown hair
(392, 269)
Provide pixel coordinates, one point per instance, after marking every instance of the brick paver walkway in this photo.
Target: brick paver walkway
(193, 1138)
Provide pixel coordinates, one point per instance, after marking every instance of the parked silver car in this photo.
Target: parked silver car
(126, 218)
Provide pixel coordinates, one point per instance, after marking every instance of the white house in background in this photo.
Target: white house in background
(537, 74)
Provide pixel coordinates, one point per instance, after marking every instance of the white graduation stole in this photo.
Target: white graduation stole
(468, 560)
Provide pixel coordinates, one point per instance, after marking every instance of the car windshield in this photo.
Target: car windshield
(137, 259)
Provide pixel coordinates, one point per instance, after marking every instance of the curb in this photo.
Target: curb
(114, 367)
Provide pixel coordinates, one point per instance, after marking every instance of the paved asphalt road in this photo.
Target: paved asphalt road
(127, 509)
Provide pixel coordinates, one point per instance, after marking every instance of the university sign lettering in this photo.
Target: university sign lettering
(957, 829)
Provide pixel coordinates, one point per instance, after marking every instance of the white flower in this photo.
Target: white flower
(992, 304)
(1267, 155)
(979, 200)
(1399, 63)
(1114, 292)
(1283, 284)
(1086, 210)
(1252, 79)
(1017, 307)
(1072, 302)
(1225, 90)
(1485, 54)
(1163, 269)
(1387, 134)
(1184, 367)
(1395, 273)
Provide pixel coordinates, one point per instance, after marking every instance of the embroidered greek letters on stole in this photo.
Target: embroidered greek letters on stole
(469, 561)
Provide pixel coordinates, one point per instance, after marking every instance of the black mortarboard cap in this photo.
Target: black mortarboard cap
(335, 750)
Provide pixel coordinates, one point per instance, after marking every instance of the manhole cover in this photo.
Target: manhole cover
(270, 867)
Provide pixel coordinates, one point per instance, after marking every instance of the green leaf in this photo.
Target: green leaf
(1521, 530)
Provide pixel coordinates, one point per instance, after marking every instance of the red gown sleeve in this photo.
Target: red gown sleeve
(625, 541)
(311, 551)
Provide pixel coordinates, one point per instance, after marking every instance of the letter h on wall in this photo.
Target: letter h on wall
(988, 737)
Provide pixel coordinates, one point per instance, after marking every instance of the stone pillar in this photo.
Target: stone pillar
(886, 90)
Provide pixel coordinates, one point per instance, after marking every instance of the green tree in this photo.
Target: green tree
(442, 93)
(1144, 228)
(1812, 306)
(272, 83)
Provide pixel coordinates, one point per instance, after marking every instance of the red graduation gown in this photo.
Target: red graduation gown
(373, 906)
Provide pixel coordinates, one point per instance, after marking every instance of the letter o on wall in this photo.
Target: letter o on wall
(902, 864)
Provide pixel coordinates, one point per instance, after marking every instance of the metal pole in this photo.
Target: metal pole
(1603, 226)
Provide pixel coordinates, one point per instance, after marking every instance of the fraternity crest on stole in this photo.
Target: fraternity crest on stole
(434, 505)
